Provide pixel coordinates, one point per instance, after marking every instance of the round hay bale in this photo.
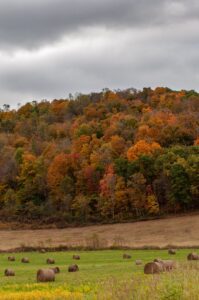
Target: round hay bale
(169, 265)
(73, 268)
(138, 262)
(172, 251)
(77, 257)
(153, 268)
(50, 261)
(9, 272)
(126, 256)
(45, 275)
(159, 260)
(25, 260)
(193, 256)
(56, 270)
(11, 258)
(42, 251)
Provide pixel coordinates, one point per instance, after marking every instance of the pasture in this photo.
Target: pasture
(180, 231)
(102, 275)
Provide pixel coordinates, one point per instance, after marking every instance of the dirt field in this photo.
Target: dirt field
(180, 231)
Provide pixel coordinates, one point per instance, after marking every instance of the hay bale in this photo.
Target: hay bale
(169, 265)
(42, 251)
(25, 260)
(138, 262)
(159, 260)
(56, 270)
(77, 257)
(9, 272)
(45, 275)
(50, 261)
(73, 268)
(172, 251)
(153, 268)
(193, 256)
(126, 256)
(11, 258)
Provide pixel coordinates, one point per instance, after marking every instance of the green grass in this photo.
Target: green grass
(100, 272)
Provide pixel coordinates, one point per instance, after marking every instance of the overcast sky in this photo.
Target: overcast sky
(50, 48)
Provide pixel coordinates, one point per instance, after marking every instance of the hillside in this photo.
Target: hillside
(102, 157)
(177, 231)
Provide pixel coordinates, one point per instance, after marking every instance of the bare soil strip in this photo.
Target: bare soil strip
(180, 232)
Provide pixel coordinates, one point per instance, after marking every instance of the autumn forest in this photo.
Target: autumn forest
(111, 156)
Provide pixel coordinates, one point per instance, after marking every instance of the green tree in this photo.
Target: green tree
(180, 186)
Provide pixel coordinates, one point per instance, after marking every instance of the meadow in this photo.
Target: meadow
(102, 275)
(179, 231)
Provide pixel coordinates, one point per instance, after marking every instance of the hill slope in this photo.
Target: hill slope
(109, 156)
(177, 231)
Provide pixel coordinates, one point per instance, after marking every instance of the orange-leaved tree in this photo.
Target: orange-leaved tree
(60, 180)
(142, 148)
(107, 189)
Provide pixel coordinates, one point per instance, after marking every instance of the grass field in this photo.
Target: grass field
(103, 275)
(181, 231)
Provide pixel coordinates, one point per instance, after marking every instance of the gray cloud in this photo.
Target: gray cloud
(33, 23)
(49, 48)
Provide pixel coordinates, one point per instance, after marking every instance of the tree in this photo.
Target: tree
(107, 193)
(196, 142)
(81, 208)
(32, 188)
(60, 179)
(142, 148)
(180, 186)
(152, 205)
(6, 107)
(137, 193)
(118, 145)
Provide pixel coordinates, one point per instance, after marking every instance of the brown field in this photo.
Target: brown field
(180, 231)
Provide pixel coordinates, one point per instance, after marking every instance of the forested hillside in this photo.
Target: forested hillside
(102, 157)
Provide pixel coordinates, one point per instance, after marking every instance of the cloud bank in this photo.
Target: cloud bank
(51, 48)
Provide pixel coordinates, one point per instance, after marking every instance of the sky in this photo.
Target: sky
(51, 48)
